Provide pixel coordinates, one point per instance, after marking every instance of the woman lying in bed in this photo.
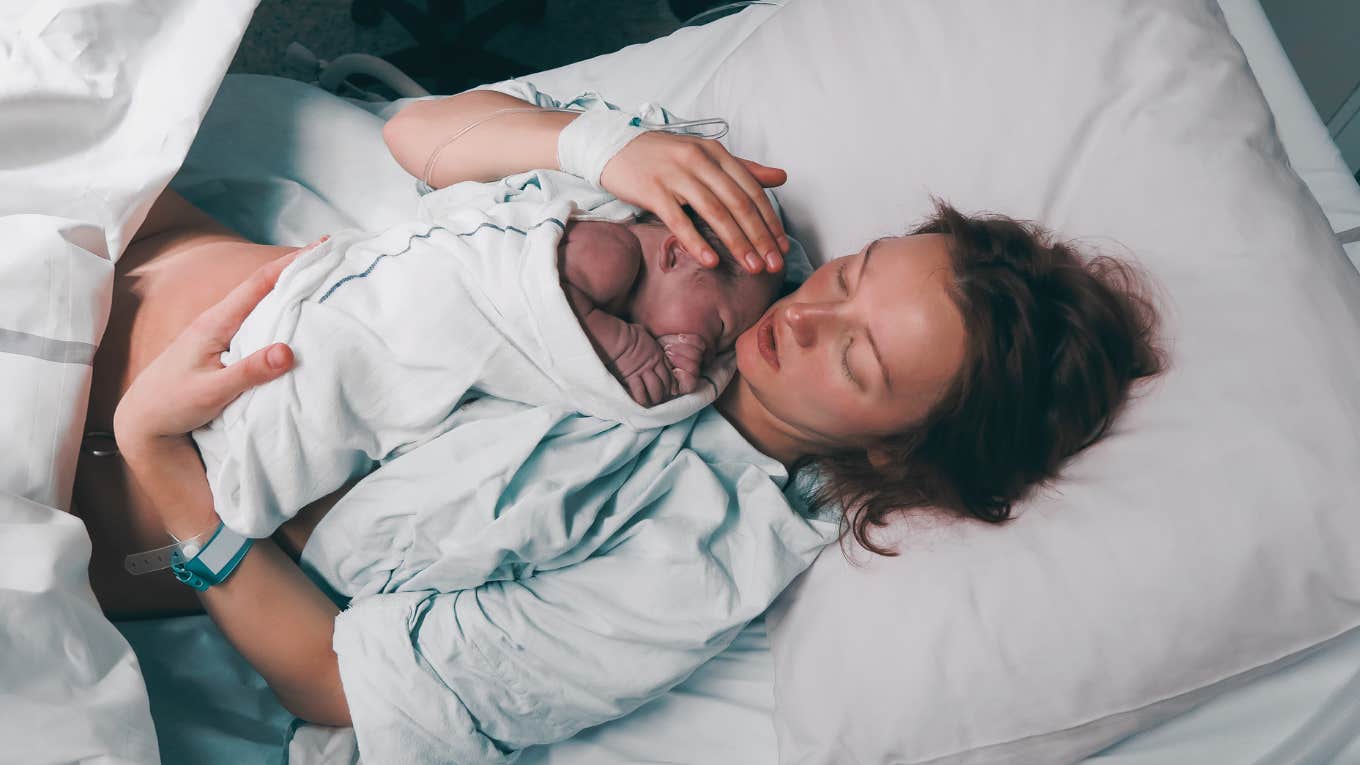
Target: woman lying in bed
(573, 569)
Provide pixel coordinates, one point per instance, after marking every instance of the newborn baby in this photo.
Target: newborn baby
(653, 313)
(539, 289)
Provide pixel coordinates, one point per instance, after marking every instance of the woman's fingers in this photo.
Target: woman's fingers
(774, 228)
(767, 176)
(746, 197)
(756, 239)
(668, 210)
(718, 215)
(661, 171)
(256, 369)
(222, 320)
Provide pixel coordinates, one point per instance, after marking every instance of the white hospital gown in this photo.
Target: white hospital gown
(532, 572)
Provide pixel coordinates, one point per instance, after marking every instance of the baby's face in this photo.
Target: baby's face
(676, 295)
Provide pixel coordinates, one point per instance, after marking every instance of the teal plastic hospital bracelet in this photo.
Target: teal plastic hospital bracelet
(201, 568)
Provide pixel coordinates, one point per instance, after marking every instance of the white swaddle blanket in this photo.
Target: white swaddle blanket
(392, 331)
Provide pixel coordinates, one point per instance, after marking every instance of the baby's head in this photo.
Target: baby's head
(674, 294)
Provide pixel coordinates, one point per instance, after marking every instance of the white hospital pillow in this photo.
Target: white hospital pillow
(1216, 531)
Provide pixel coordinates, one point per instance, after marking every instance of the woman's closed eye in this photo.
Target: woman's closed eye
(845, 352)
(845, 363)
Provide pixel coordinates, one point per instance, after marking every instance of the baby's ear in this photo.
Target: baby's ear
(672, 254)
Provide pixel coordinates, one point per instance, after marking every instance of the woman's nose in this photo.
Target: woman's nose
(805, 319)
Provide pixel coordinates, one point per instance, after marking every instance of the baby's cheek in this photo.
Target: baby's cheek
(679, 317)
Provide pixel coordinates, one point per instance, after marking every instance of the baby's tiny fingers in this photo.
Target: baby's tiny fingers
(684, 381)
(636, 391)
(660, 384)
(688, 356)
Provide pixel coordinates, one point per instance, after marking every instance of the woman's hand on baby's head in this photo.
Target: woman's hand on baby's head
(661, 172)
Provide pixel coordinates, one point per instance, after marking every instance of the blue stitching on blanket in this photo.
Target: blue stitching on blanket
(427, 235)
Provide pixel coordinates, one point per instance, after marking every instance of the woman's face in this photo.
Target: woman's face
(862, 349)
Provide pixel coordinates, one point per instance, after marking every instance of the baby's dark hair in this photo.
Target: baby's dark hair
(728, 268)
(1055, 341)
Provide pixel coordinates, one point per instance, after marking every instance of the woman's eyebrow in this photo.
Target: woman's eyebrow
(863, 268)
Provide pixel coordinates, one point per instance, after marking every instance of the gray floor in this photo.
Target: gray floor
(570, 31)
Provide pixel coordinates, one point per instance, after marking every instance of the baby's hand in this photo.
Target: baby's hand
(685, 353)
(642, 366)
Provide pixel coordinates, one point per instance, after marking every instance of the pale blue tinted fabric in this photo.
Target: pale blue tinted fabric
(209, 706)
(533, 572)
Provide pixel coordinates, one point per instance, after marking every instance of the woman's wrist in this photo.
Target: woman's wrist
(168, 471)
(137, 447)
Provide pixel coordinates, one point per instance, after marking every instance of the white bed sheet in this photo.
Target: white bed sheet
(98, 103)
(723, 712)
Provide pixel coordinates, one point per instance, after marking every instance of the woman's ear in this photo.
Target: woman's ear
(879, 458)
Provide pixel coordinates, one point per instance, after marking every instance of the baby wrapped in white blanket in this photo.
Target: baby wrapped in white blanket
(393, 331)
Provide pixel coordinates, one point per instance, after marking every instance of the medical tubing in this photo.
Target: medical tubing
(695, 127)
(695, 19)
(434, 155)
(339, 69)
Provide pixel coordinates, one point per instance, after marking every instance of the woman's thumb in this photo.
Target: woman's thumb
(260, 367)
(278, 357)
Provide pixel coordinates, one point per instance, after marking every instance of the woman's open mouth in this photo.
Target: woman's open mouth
(766, 343)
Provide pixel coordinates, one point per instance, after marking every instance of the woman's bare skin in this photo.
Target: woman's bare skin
(180, 263)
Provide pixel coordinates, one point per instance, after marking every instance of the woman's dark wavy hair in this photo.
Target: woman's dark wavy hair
(1055, 342)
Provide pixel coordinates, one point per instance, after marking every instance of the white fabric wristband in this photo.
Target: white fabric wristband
(588, 142)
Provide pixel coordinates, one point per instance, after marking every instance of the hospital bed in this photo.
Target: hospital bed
(261, 163)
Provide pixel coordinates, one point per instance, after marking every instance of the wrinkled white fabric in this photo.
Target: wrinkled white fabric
(99, 102)
(532, 572)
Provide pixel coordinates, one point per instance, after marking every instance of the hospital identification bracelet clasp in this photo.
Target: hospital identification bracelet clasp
(194, 561)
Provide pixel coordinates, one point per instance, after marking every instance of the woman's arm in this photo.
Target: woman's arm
(273, 614)
(268, 609)
(507, 144)
(656, 171)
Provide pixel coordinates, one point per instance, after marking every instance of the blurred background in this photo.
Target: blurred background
(1322, 39)
(452, 45)
(457, 43)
